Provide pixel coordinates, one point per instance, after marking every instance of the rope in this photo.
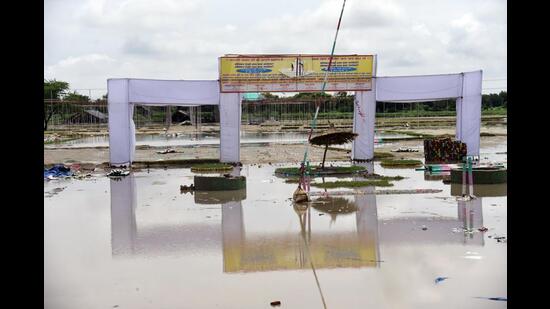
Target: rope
(314, 121)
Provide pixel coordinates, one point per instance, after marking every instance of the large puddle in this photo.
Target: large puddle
(207, 139)
(138, 242)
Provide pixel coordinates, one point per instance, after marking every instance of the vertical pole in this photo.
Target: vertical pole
(471, 176)
(464, 178)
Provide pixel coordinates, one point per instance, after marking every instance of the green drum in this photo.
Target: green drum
(219, 183)
(481, 175)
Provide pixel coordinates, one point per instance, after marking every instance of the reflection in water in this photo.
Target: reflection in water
(483, 190)
(301, 245)
(123, 215)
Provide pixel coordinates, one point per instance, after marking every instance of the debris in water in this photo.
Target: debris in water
(118, 173)
(404, 149)
(424, 227)
(165, 151)
(440, 279)
(483, 229)
(275, 303)
(300, 195)
(184, 188)
(494, 298)
(58, 170)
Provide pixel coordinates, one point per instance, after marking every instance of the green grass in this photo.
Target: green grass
(292, 180)
(352, 184)
(401, 163)
(211, 167)
(388, 178)
(382, 155)
(293, 171)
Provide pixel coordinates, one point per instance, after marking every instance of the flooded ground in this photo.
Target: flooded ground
(137, 242)
(207, 139)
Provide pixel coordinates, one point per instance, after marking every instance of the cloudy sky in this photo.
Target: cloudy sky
(87, 42)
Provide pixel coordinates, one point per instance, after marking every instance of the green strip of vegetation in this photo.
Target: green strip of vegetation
(382, 155)
(388, 178)
(352, 184)
(294, 171)
(401, 163)
(211, 167)
(292, 180)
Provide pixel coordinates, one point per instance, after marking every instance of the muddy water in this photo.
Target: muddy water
(139, 243)
(203, 138)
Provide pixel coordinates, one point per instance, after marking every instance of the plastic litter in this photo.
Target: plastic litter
(404, 149)
(58, 170)
(440, 279)
(275, 303)
(165, 151)
(118, 173)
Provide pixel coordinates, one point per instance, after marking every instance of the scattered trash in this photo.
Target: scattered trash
(440, 279)
(275, 303)
(500, 238)
(483, 229)
(54, 192)
(165, 151)
(58, 170)
(321, 214)
(404, 149)
(494, 298)
(118, 173)
(185, 188)
(424, 227)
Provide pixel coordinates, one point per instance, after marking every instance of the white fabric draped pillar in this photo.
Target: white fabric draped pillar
(364, 112)
(230, 127)
(468, 112)
(121, 130)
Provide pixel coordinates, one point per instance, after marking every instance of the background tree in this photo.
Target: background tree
(76, 97)
(52, 94)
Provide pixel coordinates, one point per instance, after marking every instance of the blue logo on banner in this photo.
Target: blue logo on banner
(254, 70)
(340, 69)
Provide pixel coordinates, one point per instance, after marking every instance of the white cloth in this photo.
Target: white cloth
(364, 112)
(230, 124)
(174, 92)
(418, 88)
(120, 132)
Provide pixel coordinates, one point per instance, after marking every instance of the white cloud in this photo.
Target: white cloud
(183, 39)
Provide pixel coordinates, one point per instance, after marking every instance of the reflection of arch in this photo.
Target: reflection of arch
(483, 190)
(358, 248)
(286, 250)
(123, 216)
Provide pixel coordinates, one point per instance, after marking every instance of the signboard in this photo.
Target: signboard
(295, 73)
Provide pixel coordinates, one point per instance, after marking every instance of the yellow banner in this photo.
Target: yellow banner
(295, 73)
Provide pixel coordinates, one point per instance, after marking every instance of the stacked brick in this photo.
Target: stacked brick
(443, 150)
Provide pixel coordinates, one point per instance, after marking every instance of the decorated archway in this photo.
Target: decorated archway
(352, 73)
